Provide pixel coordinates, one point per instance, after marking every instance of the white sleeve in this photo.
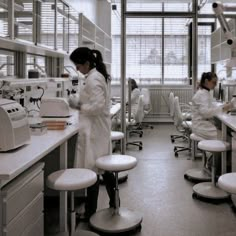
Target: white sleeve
(206, 111)
(96, 102)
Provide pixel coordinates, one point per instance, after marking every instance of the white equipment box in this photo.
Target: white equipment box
(54, 107)
(14, 126)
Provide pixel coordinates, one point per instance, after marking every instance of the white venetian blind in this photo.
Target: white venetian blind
(144, 58)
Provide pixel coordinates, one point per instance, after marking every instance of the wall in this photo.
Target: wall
(87, 7)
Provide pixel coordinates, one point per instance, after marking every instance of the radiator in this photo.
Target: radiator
(160, 100)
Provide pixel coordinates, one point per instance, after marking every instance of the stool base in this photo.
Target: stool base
(209, 191)
(197, 174)
(122, 176)
(83, 233)
(59, 234)
(107, 221)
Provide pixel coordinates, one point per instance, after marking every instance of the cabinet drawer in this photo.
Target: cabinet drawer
(21, 191)
(26, 219)
(36, 229)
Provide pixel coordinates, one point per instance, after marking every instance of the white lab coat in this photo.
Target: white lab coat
(203, 110)
(94, 121)
(135, 96)
(135, 93)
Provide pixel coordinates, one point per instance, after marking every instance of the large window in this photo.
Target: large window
(158, 49)
(175, 51)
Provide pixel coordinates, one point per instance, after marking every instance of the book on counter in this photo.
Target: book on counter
(55, 124)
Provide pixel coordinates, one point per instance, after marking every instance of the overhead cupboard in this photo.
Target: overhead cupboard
(90, 35)
(48, 29)
(220, 50)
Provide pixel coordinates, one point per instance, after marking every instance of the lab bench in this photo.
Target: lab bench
(228, 125)
(22, 182)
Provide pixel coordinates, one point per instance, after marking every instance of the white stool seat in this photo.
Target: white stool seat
(195, 137)
(117, 135)
(116, 162)
(213, 145)
(71, 179)
(227, 182)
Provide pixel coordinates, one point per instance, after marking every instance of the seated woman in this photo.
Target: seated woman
(135, 93)
(204, 108)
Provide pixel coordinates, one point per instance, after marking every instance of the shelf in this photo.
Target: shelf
(17, 45)
(220, 50)
(90, 35)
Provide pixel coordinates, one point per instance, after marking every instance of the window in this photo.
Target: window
(146, 61)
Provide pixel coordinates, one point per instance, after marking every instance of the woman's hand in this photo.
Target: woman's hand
(227, 106)
(74, 102)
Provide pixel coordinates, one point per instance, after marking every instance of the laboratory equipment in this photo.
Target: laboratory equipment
(54, 107)
(14, 126)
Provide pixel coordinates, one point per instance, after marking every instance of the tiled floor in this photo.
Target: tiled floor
(157, 189)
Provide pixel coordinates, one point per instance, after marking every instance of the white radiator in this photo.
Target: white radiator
(160, 100)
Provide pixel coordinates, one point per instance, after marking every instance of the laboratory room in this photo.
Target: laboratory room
(117, 117)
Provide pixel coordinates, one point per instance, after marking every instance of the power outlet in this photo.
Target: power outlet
(28, 88)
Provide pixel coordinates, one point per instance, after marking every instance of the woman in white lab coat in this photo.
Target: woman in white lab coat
(204, 108)
(135, 93)
(94, 138)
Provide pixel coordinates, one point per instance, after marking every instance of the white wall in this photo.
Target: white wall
(87, 7)
(98, 11)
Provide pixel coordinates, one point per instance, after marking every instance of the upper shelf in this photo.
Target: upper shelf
(17, 45)
(220, 51)
(92, 36)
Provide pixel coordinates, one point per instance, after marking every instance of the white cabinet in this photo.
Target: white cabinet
(220, 50)
(22, 203)
(91, 36)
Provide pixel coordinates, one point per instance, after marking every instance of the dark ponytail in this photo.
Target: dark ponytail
(100, 66)
(207, 76)
(93, 56)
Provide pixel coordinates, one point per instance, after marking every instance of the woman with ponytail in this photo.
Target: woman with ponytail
(204, 108)
(94, 138)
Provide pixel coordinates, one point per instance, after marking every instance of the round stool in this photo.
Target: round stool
(72, 180)
(209, 190)
(116, 220)
(118, 136)
(197, 174)
(227, 182)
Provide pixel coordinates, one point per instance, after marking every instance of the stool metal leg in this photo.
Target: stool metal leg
(209, 190)
(198, 174)
(73, 231)
(115, 220)
(116, 210)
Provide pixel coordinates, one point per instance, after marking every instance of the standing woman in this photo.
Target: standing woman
(94, 138)
(204, 108)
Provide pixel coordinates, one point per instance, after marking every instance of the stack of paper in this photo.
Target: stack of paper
(55, 124)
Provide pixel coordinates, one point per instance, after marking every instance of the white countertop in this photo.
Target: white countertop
(14, 162)
(228, 120)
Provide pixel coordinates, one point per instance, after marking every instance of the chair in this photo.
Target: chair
(134, 125)
(171, 109)
(71, 180)
(183, 126)
(118, 219)
(146, 105)
(209, 190)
